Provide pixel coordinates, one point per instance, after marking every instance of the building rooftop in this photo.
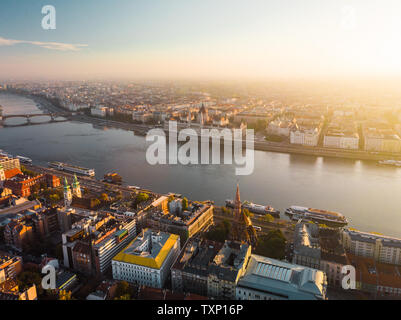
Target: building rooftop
(148, 249)
(373, 273)
(230, 260)
(197, 255)
(370, 237)
(286, 280)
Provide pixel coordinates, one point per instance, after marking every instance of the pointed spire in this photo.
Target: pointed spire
(66, 186)
(76, 183)
(237, 195)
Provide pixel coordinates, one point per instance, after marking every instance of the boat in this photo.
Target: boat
(5, 154)
(329, 218)
(24, 159)
(56, 165)
(255, 208)
(72, 168)
(395, 163)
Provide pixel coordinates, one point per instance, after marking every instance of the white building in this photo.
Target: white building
(99, 111)
(381, 248)
(147, 260)
(75, 107)
(142, 116)
(306, 137)
(341, 140)
(270, 279)
(108, 247)
(279, 127)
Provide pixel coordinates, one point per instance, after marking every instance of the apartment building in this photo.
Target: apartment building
(185, 222)
(94, 240)
(105, 248)
(210, 268)
(9, 163)
(18, 234)
(381, 248)
(10, 266)
(307, 136)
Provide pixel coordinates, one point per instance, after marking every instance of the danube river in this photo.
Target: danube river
(366, 193)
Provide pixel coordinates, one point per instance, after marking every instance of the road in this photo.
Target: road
(87, 182)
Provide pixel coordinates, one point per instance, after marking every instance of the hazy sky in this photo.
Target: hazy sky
(201, 38)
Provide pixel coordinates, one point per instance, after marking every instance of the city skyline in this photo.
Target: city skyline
(208, 40)
(219, 151)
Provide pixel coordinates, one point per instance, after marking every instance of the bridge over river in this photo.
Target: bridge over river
(53, 117)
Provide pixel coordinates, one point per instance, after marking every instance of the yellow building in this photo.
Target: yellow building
(147, 259)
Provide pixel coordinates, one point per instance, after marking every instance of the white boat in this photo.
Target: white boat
(72, 168)
(24, 159)
(79, 170)
(56, 165)
(395, 163)
(5, 154)
(329, 218)
(255, 208)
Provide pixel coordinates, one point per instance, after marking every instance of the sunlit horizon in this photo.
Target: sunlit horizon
(191, 40)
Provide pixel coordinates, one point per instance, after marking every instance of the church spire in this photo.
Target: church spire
(237, 196)
(76, 188)
(237, 204)
(66, 186)
(67, 193)
(76, 183)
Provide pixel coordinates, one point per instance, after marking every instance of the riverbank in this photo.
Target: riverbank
(44, 103)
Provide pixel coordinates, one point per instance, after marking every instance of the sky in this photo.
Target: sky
(233, 39)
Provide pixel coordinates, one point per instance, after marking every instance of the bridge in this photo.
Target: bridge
(28, 117)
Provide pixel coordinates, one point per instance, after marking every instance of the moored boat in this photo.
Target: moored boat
(256, 208)
(72, 168)
(395, 163)
(329, 218)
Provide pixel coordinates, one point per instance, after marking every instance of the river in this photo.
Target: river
(366, 193)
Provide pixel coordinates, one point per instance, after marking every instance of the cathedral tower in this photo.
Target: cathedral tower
(67, 194)
(76, 188)
(242, 229)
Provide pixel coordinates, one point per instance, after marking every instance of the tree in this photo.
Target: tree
(54, 198)
(119, 195)
(27, 278)
(65, 295)
(185, 203)
(272, 245)
(274, 138)
(123, 297)
(95, 203)
(225, 210)
(104, 197)
(123, 291)
(267, 218)
(247, 213)
(219, 232)
(141, 197)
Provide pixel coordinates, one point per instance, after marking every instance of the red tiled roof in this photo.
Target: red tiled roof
(12, 173)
